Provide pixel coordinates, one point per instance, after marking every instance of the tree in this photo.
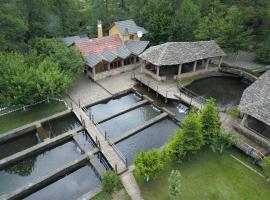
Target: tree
(185, 22)
(174, 184)
(266, 167)
(192, 136)
(111, 182)
(157, 17)
(263, 51)
(210, 121)
(148, 164)
(175, 149)
(69, 59)
(12, 28)
(210, 25)
(234, 36)
(26, 81)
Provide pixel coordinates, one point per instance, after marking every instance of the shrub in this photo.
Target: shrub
(233, 111)
(148, 164)
(174, 184)
(222, 141)
(111, 182)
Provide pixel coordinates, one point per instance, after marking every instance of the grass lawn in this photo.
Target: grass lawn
(211, 176)
(20, 118)
(121, 195)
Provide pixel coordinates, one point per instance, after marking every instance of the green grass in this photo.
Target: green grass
(20, 118)
(233, 111)
(103, 196)
(211, 176)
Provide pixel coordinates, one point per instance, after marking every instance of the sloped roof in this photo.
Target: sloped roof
(255, 100)
(128, 27)
(72, 39)
(172, 53)
(122, 53)
(93, 59)
(136, 47)
(98, 45)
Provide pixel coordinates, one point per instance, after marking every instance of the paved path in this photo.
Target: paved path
(85, 90)
(131, 185)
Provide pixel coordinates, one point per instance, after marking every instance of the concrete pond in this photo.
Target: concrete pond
(131, 121)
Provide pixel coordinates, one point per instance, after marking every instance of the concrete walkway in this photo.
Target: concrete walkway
(131, 185)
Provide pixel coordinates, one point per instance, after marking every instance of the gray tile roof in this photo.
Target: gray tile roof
(108, 56)
(93, 59)
(122, 53)
(136, 47)
(130, 26)
(172, 53)
(72, 39)
(255, 100)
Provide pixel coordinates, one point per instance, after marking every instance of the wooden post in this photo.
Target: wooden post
(126, 162)
(195, 66)
(79, 103)
(166, 97)
(157, 70)
(105, 136)
(179, 70)
(219, 63)
(244, 120)
(148, 86)
(157, 92)
(207, 63)
(115, 167)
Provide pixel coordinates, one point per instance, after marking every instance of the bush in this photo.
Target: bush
(148, 164)
(233, 111)
(111, 182)
(222, 141)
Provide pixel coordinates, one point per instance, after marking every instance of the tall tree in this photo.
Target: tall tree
(185, 22)
(157, 17)
(234, 36)
(210, 120)
(12, 27)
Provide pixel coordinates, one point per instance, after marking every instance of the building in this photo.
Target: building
(181, 59)
(255, 106)
(110, 55)
(72, 39)
(127, 30)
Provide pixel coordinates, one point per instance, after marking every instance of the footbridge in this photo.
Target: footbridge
(242, 72)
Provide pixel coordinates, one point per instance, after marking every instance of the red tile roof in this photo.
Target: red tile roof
(98, 45)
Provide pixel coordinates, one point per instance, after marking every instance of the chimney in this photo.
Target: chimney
(99, 27)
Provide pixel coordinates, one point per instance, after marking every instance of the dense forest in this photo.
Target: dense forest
(26, 26)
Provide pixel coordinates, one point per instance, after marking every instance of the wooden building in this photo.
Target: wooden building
(180, 59)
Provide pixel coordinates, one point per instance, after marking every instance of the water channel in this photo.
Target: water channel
(19, 174)
(61, 125)
(71, 186)
(19, 143)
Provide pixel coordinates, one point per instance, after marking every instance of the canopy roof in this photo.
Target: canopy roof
(255, 100)
(172, 53)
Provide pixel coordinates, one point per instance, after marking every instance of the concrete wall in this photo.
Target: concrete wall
(112, 72)
(199, 72)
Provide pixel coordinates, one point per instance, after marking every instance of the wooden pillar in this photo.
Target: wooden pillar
(108, 67)
(122, 62)
(207, 63)
(94, 71)
(179, 69)
(195, 66)
(157, 70)
(244, 119)
(220, 61)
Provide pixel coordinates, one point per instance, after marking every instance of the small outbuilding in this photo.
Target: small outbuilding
(181, 59)
(255, 106)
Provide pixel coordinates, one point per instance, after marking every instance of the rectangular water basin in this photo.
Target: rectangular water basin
(85, 140)
(72, 186)
(122, 123)
(19, 174)
(154, 136)
(61, 125)
(19, 143)
(106, 108)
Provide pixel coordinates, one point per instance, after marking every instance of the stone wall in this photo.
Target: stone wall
(113, 72)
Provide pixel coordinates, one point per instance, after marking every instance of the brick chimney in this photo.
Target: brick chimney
(99, 28)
